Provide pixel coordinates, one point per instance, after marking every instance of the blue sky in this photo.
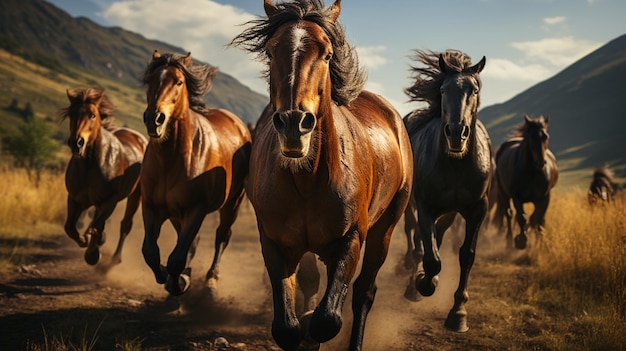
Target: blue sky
(525, 41)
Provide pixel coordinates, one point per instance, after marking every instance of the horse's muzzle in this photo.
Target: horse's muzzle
(155, 123)
(294, 129)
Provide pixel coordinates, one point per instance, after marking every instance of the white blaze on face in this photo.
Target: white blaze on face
(298, 43)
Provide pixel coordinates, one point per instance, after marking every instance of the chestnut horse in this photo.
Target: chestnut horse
(103, 170)
(196, 163)
(526, 171)
(452, 156)
(330, 169)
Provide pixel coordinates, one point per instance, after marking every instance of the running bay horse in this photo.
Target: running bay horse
(103, 170)
(526, 172)
(452, 157)
(330, 169)
(196, 163)
(602, 188)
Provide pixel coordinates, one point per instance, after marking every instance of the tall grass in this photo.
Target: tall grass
(581, 273)
(28, 213)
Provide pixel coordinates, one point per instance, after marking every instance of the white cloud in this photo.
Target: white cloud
(202, 27)
(559, 52)
(554, 20)
(370, 56)
(508, 70)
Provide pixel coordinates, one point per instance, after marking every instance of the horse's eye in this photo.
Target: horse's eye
(476, 91)
(179, 83)
(328, 56)
(93, 116)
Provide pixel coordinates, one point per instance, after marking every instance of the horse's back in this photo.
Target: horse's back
(133, 142)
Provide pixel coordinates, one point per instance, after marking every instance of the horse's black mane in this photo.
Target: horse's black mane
(199, 77)
(428, 81)
(346, 75)
(91, 96)
(603, 172)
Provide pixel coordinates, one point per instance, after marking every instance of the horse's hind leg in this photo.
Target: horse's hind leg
(410, 226)
(132, 204)
(457, 317)
(178, 274)
(73, 214)
(426, 282)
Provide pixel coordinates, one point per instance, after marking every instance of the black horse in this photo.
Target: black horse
(452, 153)
(602, 187)
(526, 171)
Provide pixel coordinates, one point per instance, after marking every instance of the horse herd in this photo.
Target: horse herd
(331, 167)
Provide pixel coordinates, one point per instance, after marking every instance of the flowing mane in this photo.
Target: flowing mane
(91, 96)
(199, 77)
(346, 75)
(603, 172)
(428, 80)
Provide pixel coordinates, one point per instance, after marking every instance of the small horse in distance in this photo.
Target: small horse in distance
(526, 172)
(330, 170)
(104, 169)
(602, 187)
(196, 163)
(453, 170)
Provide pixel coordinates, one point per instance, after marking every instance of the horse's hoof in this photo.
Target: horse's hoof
(520, 242)
(425, 287)
(92, 256)
(307, 343)
(115, 260)
(211, 286)
(180, 287)
(324, 326)
(457, 322)
(411, 293)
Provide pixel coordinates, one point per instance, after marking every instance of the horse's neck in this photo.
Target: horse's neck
(187, 140)
(106, 152)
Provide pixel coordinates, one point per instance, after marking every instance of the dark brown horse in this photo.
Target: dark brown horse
(452, 154)
(196, 163)
(602, 187)
(103, 170)
(526, 172)
(330, 169)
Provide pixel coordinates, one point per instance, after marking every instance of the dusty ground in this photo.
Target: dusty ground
(61, 297)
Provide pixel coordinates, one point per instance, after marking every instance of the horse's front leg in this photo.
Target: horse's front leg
(152, 223)
(96, 230)
(520, 239)
(132, 204)
(178, 283)
(341, 264)
(281, 267)
(74, 210)
(426, 282)
(228, 215)
(538, 218)
(474, 217)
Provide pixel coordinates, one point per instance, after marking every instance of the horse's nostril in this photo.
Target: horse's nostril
(446, 130)
(307, 123)
(465, 133)
(278, 121)
(160, 119)
(80, 142)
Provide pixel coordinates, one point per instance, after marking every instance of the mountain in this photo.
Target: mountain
(61, 49)
(585, 104)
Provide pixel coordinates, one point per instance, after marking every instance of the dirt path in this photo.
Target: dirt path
(62, 297)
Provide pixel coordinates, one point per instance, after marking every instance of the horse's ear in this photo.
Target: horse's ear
(547, 120)
(70, 94)
(477, 68)
(527, 118)
(335, 10)
(99, 96)
(187, 59)
(270, 8)
(155, 55)
(443, 65)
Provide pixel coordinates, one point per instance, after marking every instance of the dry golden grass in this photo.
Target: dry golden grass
(27, 213)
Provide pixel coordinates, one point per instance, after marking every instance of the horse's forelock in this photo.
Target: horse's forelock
(347, 77)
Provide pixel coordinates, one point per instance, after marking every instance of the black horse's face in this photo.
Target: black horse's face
(537, 136)
(460, 99)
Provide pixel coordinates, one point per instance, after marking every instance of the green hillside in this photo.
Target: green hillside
(585, 105)
(44, 51)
